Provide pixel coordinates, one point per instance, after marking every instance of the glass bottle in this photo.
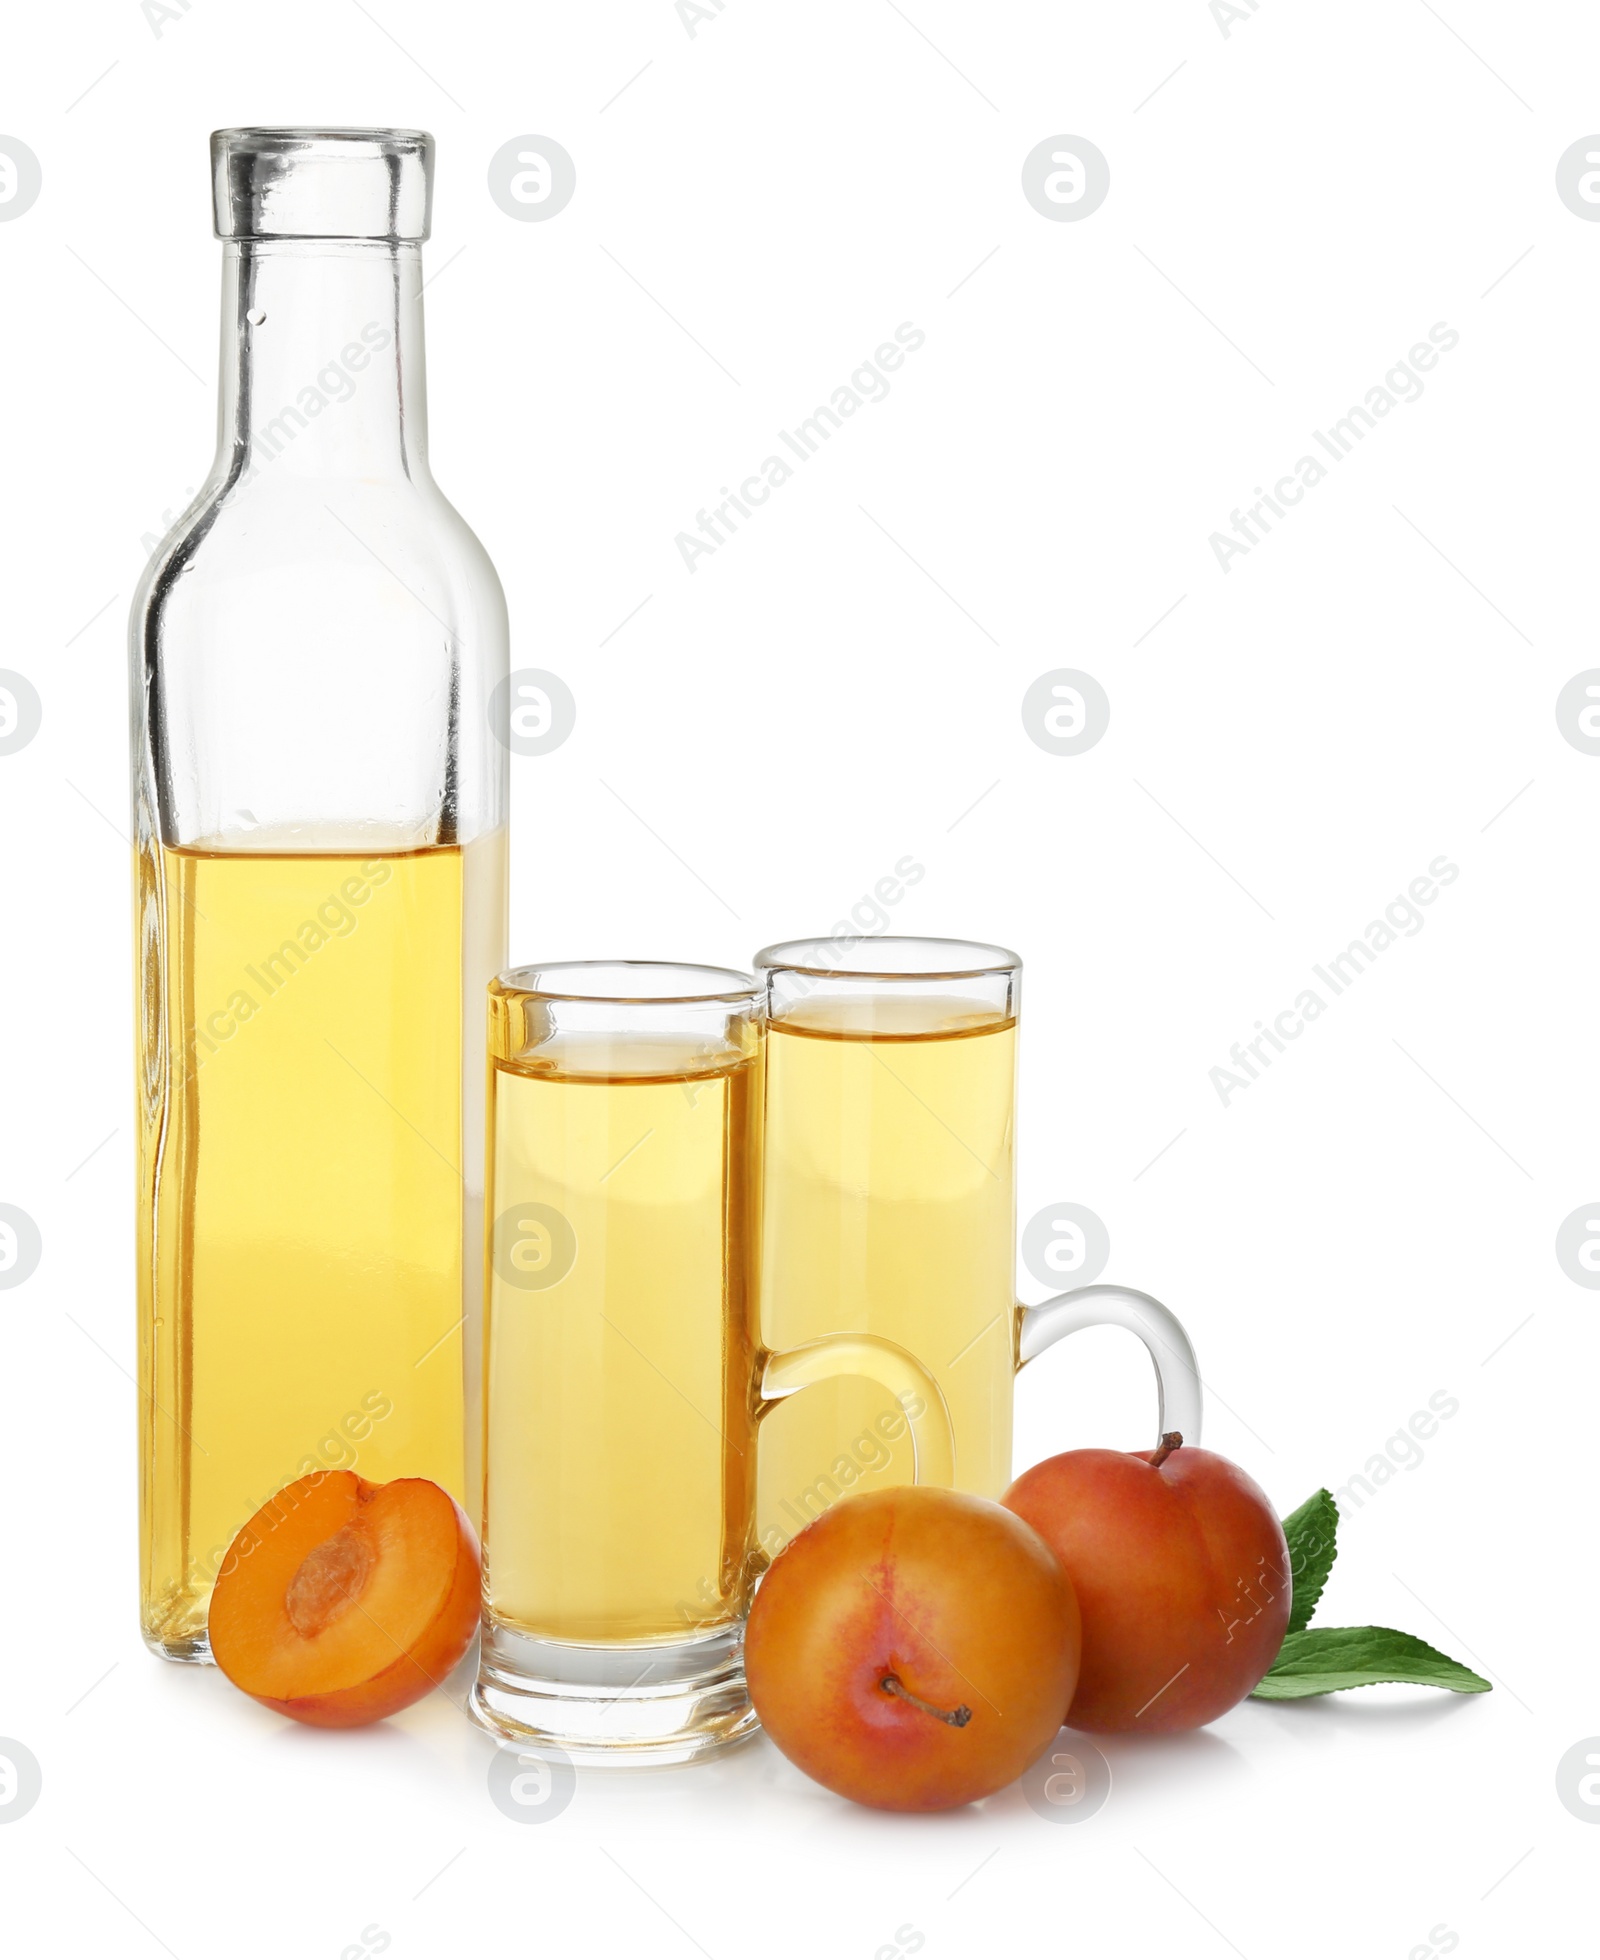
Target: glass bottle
(320, 898)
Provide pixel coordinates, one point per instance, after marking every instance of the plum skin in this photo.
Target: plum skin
(1182, 1575)
(957, 1599)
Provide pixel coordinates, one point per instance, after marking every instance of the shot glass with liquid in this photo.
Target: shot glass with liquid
(625, 1375)
(889, 1204)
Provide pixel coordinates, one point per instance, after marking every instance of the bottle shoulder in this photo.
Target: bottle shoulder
(297, 550)
(315, 655)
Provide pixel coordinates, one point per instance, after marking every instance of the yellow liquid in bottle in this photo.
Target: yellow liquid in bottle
(889, 1210)
(302, 1199)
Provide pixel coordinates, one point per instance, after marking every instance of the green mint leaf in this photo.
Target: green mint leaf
(1311, 1532)
(1321, 1660)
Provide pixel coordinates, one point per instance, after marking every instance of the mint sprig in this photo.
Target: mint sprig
(1322, 1660)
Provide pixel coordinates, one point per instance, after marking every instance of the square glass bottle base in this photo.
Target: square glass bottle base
(629, 1706)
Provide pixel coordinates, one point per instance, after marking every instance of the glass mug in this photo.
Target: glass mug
(890, 1210)
(625, 1376)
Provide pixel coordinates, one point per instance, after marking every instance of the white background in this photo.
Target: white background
(1370, 1223)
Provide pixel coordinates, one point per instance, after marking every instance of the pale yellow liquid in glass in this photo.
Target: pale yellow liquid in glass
(621, 1446)
(301, 1206)
(889, 1210)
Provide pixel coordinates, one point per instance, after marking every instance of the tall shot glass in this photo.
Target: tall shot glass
(624, 1373)
(890, 1210)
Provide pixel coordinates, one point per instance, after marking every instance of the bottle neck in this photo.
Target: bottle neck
(322, 362)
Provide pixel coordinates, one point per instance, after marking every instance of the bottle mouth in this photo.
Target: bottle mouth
(372, 184)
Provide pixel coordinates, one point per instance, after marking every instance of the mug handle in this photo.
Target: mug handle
(779, 1375)
(1178, 1395)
